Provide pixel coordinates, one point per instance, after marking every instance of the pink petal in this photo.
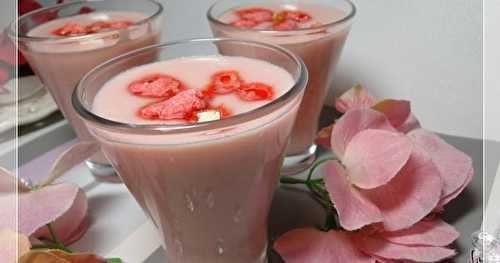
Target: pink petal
(8, 211)
(10, 241)
(374, 157)
(7, 181)
(381, 248)
(354, 121)
(38, 208)
(355, 98)
(410, 124)
(396, 111)
(354, 210)
(385, 260)
(409, 196)
(76, 154)
(312, 246)
(453, 195)
(454, 166)
(424, 233)
(72, 224)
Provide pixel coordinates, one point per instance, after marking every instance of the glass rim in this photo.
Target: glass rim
(348, 17)
(13, 32)
(299, 84)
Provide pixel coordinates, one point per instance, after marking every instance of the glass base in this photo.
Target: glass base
(295, 164)
(103, 172)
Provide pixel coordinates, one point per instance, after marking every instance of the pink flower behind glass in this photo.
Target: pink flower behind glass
(355, 98)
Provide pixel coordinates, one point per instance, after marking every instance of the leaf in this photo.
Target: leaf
(114, 260)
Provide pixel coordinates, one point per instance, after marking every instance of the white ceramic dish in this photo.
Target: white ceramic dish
(36, 103)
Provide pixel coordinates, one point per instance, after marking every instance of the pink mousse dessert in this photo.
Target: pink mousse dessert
(314, 30)
(207, 185)
(61, 48)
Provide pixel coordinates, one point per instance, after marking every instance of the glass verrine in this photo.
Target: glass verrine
(319, 45)
(61, 60)
(206, 186)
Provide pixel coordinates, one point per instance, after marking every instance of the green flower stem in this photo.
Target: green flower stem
(291, 180)
(330, 221)
(53, 242)
(320, 194)
(53, 234)
(43, 246)
(51, 246)
(317, 164)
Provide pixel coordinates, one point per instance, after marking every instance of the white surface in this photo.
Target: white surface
(145, 235)
(492, 66)
(428, 51)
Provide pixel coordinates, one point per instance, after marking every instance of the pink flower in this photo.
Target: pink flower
(397, 111)
(389, 176)
(355, 98)
(425, 241)
(63, 205)
(384, 176)
(392, 172)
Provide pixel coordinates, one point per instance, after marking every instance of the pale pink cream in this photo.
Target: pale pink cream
(195, 73)
(320, 14)
(102, 39)
(319, 47)
(208, 192)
